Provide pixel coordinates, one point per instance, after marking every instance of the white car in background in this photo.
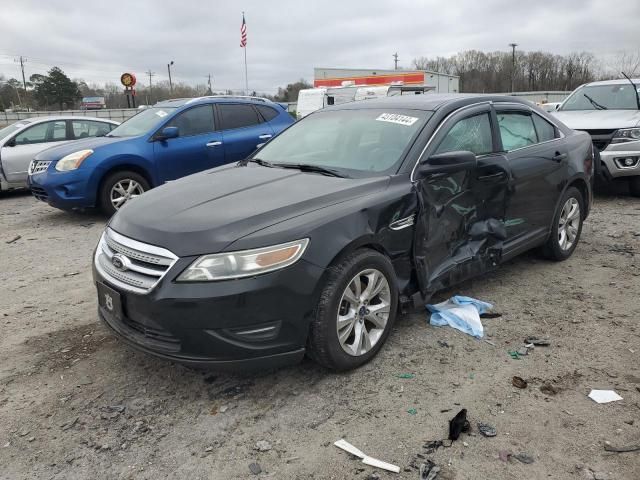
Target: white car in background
(21, 141)
(609, 111)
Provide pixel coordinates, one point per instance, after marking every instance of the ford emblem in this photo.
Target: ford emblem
(119, 262)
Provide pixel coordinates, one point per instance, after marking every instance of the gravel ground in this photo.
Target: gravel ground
(75, 403)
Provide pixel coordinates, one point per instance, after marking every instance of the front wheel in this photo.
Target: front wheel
(567, 226)
(356, 311)
(120, 187)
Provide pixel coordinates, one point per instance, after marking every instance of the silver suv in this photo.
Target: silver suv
(610, 112)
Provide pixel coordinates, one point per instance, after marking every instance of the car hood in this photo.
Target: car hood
(206, 212)
(56, 153)
(599, 119)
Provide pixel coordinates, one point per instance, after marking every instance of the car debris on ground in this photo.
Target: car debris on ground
(604, 396)
(367, 460)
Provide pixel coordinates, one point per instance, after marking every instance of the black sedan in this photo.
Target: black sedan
(314, 243)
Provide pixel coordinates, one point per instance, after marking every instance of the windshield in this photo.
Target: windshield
(618, 96)
(354, 142)
(141, 123)
(6, 131)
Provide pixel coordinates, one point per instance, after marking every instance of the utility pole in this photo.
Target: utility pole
(209, 83)
(151, 74)
(513, 63)
(24, 80)
(170, 82)
(395, 60)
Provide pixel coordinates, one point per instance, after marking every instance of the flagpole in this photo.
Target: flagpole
(246, 81)
(246, 78)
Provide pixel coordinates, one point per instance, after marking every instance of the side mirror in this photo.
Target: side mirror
(557, 106)
(168, 132)
(11, 143)
(449, 162)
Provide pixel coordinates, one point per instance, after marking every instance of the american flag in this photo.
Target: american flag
(243, 33)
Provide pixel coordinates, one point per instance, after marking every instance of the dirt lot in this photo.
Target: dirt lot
(75, 403)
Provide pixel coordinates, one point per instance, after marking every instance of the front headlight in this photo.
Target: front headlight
(72, 161)
(246, 263)
(626, 135)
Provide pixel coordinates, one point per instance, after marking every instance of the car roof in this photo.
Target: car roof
(427, 101)
(617, 81)
(180, 102)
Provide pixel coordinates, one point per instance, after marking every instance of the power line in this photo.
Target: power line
(395, 60)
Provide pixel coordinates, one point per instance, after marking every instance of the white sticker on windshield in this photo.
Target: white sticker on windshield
(161, 113)
(19, 125)
(396, 118)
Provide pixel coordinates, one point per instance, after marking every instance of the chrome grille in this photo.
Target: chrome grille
(37, 166)
(138, 267)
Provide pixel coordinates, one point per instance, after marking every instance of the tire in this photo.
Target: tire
(634, 186)
(555, 248)
(123, 178)
(324, 345)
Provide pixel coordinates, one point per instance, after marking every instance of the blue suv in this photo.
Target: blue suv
(161, 143)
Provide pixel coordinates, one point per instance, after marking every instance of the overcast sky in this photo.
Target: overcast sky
(98, 40)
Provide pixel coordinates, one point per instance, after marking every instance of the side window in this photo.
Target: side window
(88, 128)
(35, 134)
(545, 130)
(58, 132)
(43, 132)
(237, 115)
(195, 121)
(268, 113)
(516, 130)
(472, 134)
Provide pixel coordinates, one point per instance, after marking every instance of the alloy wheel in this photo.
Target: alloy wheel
(569, 224)
(363, 312)
(123, 191)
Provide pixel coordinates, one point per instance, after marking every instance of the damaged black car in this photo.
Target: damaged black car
(314, 243)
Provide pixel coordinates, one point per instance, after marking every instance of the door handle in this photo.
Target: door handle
(558, 157)
(493, 176)
(213, 144)
(265, 136)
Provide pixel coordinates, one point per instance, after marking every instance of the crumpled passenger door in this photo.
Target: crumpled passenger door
(460, 229)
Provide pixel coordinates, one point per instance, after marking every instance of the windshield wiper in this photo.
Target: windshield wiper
(259, 161)
(305, 167)
(594, 103)
(635, 89)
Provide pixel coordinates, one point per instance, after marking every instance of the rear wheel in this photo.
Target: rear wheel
(356, 311)
(567, 226)
(120, 187)
(634, 186)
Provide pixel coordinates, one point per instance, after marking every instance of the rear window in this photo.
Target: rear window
(268, 113)
(545, 130)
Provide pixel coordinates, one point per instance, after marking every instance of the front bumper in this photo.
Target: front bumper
(64, 190)
(613, 156)
(260, 322)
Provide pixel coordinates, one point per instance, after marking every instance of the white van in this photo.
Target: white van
(312, 99)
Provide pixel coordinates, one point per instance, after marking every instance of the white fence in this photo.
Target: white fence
(117, 114)
(540, 97)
